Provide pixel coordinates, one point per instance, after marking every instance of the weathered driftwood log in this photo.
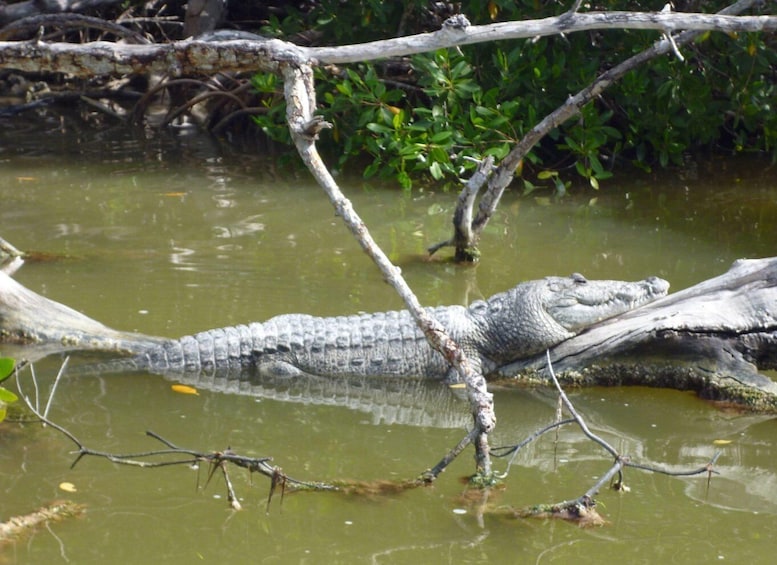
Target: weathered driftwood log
(712, 338)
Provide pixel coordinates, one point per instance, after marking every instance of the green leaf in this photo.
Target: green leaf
(344, 88)
(460, 69)
(441, 136)
(372, 169)
(7, 397)
(6, 367)
(398, 119)
(498, 151)
(435, 171)
(379, 128)
(439, 155)
(545, 175)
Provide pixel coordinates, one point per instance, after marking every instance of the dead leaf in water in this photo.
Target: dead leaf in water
(184, 389)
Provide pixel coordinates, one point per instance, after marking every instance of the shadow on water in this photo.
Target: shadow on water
(169, 234)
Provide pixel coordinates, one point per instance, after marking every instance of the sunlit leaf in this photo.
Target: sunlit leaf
(435, 171)
(6, 367)
(67, 487)
(721, 441)
(7, 397)
(184, 389)
(545, 175)
(398, 119)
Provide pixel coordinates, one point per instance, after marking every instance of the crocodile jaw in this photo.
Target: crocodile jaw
(575, 303)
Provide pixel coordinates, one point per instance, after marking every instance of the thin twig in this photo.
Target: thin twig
(434, 472)
(587, 500)
(706, 468)
(34, 384)
(505, 450)
(61, 372)
(215, 458)
(580, 422)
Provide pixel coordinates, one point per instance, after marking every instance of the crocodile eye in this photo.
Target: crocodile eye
(578, 278)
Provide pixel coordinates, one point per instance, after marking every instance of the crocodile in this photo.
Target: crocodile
(515, 324)
(511, 325)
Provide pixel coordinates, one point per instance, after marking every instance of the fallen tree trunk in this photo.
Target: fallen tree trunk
(711, 338)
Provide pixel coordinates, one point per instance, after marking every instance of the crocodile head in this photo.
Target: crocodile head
(575, 303)
(537, 315)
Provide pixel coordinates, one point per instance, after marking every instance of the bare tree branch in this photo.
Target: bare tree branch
(70, 21)
(192, 57)
(300, 104)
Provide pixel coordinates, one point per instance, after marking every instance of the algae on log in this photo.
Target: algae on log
(711, 338)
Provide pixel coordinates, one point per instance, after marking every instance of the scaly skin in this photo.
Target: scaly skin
(516, 324)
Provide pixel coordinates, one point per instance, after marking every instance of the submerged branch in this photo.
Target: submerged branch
(583, 508)
(216, 459)
(431, 474)
(18, 526)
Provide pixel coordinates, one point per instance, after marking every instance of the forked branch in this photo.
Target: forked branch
(466, 237)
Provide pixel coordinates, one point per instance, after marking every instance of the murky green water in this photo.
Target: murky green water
(173, 236)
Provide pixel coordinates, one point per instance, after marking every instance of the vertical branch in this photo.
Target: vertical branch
(506, 169)
(464, 240)
(300, 100)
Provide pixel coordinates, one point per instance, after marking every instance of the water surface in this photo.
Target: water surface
(172, 235)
